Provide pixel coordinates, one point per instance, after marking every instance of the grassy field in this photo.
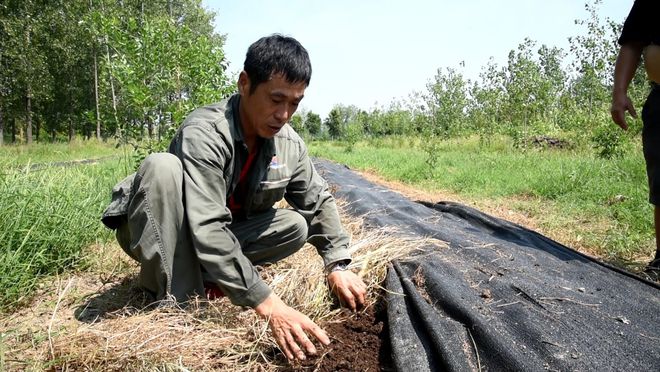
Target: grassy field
(51, 213)
(598, 206)
(17, 156)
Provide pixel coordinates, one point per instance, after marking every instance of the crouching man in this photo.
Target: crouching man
(200, 217)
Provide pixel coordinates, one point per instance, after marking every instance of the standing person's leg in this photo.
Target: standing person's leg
(271, 236)
(651, 145)
(156, 233)
(657, 233)
(656, 260)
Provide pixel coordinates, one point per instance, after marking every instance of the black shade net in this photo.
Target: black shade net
(501, 297)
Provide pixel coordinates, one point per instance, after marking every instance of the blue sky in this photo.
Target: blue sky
(368, 53)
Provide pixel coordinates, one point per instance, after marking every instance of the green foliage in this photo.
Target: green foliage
(334, 124)
(297, 123)
(353, 135)
(446, 103)
(595, 54)
(149, 62)
(431, 149)
(608, 142)
(485, 106)
(313, 124)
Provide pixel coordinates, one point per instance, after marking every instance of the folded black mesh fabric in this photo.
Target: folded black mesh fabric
(501, 297)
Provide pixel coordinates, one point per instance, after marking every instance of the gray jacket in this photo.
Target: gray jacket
(212, 152)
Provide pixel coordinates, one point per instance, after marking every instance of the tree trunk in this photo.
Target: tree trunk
(28, 118)
(150, 127)
(53, 135)
(160, 124)
(20, 135)
(96, 85)
(28, 93)
(38, 128)
(71, 131)
(13, 131)
(2, 128)
(112, 84)
(96, 98)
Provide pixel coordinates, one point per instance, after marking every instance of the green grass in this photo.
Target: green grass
(563, 189)
(48, 216)
(12, 156)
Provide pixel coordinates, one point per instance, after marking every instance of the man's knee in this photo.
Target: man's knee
(163, 170)
(161, 166)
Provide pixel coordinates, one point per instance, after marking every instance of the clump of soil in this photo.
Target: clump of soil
(549, 142)
(360, 342)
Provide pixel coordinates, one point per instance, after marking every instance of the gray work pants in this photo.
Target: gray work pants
(156, 232)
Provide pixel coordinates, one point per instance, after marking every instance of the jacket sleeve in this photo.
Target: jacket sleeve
(205, 156)
(308, 193)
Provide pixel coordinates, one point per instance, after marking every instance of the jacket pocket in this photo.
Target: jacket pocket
(272, 188)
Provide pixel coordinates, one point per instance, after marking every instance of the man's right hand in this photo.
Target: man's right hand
(620, 104)
(291, 328)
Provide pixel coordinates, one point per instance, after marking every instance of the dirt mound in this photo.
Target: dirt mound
(360, 342)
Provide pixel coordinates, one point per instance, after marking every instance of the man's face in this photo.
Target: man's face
(270, 106)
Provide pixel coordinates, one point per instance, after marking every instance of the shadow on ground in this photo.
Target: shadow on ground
(125, 297)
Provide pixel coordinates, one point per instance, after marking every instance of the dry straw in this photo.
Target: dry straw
(115, 329)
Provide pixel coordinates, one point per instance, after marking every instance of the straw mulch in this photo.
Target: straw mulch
(100, 320)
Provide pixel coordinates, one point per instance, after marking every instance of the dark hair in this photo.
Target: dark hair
(277, 54)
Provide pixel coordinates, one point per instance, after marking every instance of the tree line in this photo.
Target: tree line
(134, 68)
(103, 68)
(539, 91)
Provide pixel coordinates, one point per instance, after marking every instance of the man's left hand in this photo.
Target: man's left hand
(349, 288)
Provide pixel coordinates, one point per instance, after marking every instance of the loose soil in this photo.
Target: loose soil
(359, 343)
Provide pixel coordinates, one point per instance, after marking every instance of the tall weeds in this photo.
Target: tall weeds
(47, 217)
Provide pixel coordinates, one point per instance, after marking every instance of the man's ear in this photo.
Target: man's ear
(243, 84)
